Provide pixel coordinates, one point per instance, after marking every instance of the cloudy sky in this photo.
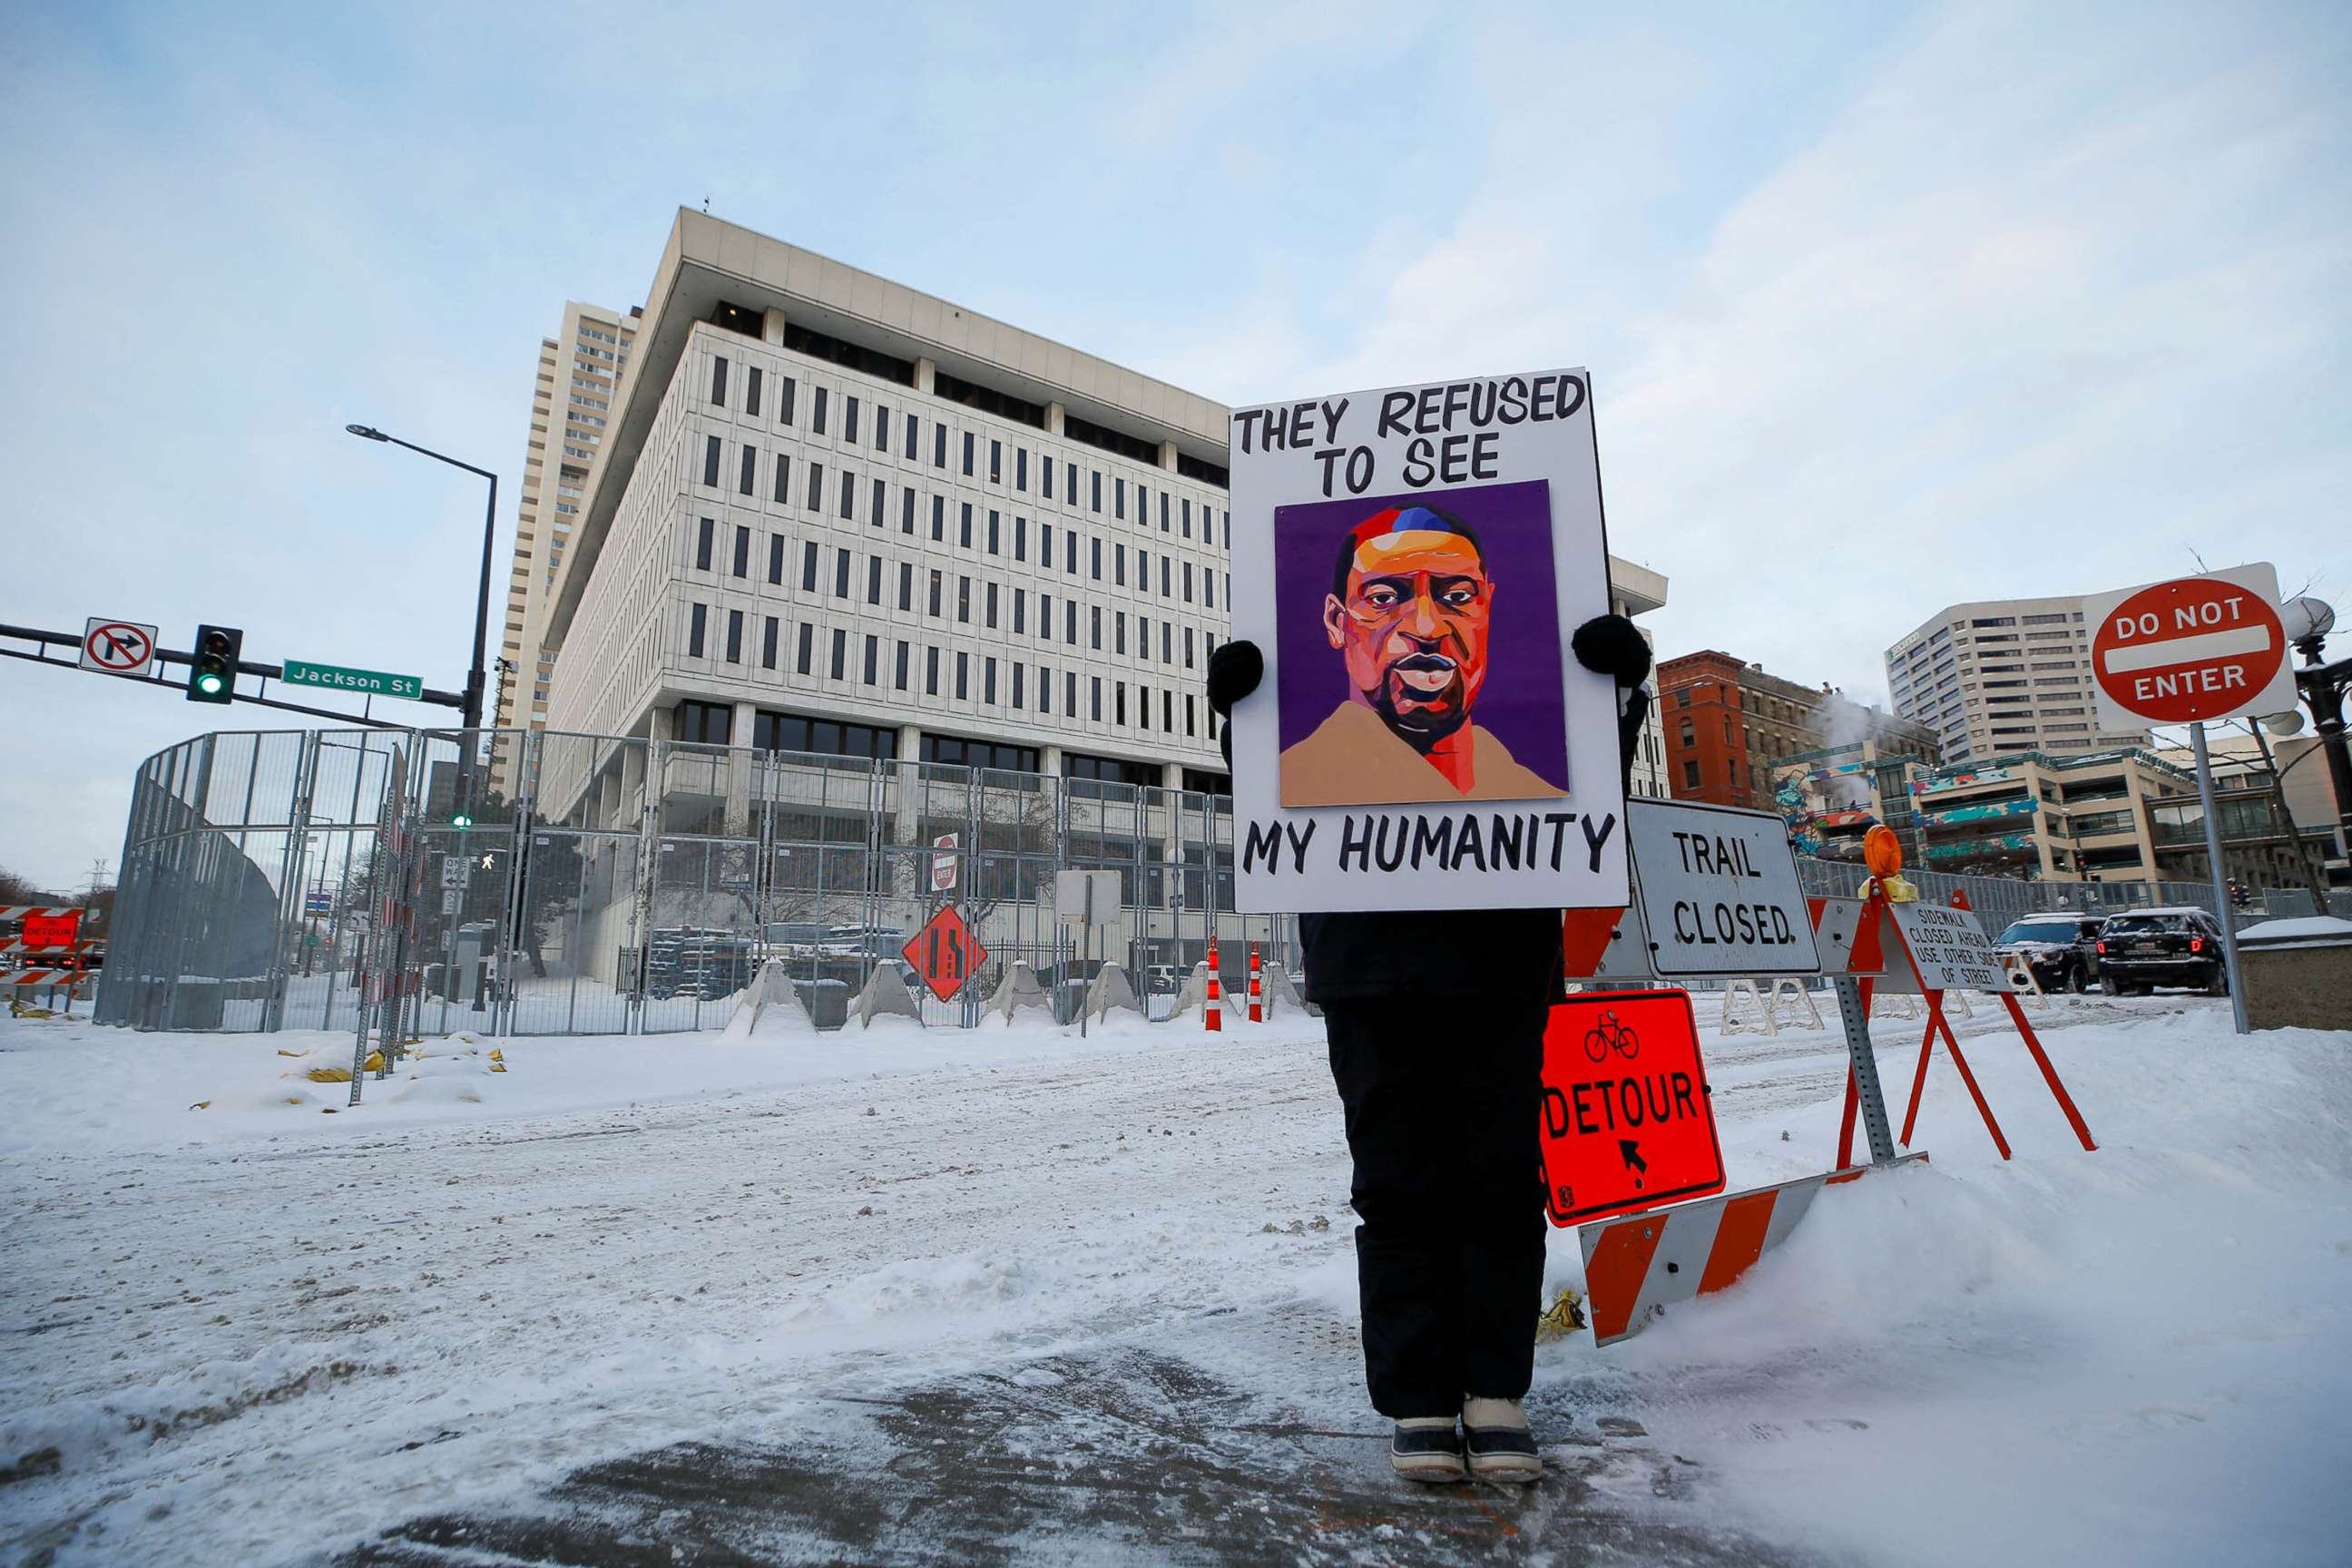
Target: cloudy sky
(1885, 306)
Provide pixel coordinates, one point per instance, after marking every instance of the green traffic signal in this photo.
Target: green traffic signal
(212, 670)
(460, 819)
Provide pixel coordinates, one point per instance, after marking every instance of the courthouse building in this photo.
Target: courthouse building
(832, 514)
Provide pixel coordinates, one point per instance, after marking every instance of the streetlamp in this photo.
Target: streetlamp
(474, 677)
(2307, 621)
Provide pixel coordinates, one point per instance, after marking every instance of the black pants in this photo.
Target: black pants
(1443, 1098)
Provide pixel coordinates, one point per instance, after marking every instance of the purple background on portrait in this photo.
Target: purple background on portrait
(1520, 703)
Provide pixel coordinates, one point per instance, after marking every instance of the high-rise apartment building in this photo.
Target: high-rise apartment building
(2002, 677)
(571, 410)
(832, 514)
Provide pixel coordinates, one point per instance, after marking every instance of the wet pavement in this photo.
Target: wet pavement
(1117, 1454)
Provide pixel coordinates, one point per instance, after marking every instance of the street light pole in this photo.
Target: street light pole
(476, 679)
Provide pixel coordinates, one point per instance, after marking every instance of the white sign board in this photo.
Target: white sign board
(1950, 948)
(2189, 650)
(944, 862)
(1086, 898)
(457, 870)
(1412, 563)
(452, 901)
(1719, 890)
(117, 647)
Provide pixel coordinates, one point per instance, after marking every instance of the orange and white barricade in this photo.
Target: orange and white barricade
(1256, 988)
(43, 946)
(1213, 1007)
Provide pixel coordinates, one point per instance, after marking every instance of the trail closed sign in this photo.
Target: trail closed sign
(1626, 1120)
(1718, 891)
(2191, 650)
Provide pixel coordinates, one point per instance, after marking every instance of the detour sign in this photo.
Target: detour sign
(1626, 1122)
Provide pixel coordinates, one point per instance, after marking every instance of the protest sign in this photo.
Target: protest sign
(1413, 563)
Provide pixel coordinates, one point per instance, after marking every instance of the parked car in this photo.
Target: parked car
(2148, 947)
(1163, 980)
(2060, 946)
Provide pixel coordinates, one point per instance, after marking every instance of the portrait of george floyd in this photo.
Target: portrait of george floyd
(1420, 648)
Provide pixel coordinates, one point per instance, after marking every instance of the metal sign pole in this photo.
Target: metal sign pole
(1856, 1019)
(1089, 916)
(2220, 882)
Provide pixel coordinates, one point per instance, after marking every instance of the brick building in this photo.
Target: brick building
(1727, 722)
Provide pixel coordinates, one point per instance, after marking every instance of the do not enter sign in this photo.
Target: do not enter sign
(2192, 650)
(1626, 1120)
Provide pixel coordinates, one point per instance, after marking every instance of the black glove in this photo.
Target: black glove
(1612, 646)
(1234, 671)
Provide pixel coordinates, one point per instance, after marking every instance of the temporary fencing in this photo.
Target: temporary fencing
(619, 885)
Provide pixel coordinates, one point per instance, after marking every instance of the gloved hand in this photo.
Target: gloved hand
(1234, 671)
(1612, 646)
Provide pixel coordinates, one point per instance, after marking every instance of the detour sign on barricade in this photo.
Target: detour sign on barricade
(1626, 1120)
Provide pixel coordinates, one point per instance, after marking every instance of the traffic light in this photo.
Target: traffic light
(212, 674)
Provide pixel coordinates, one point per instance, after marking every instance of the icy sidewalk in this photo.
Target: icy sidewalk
(778, 1306)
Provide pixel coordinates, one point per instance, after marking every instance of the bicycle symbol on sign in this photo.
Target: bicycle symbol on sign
(1608, 1034)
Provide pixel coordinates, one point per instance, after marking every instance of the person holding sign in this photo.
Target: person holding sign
(1436, 1023)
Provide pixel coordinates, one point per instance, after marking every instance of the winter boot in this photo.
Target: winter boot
(1426, 1449)
(1501, 1448)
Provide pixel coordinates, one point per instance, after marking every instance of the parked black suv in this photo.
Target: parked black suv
(2148, 947)
(2060, 946)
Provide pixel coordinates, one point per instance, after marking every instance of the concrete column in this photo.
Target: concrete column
(740, 772)
(1168, 456)
(906, 819)
(1053, 412)
(926, 374)
(771, 329)
(1049, 761)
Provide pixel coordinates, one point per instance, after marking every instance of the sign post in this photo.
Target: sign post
(2195, 650)
(1091, 898)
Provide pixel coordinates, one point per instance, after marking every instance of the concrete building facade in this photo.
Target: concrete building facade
(2002, 676)
(571, 410)
(834, 515)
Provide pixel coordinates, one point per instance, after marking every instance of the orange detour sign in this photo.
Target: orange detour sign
(1626, 1121)
(946, 953)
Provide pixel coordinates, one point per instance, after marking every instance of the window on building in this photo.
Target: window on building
(848, 417)
(907, 510)
(1020, 604)
(768, 644)
(873, 655)
(988, 682)
(899, 669)
(717, 381)
(989, 616)
(1045, 545)
(996, 463)
(1018, 669)
(752, 390)
(953, 750)
(816, 421)
(807, 648)
(964, 675)
(931, 670)
(963, 599)
(938, 580)
(742, 551)
(1069, 692)
(913, 429)
(808, 566)
(816, 486)
(1098, 627)
(992, 530)
(705, 724)
(702, 536)
(1020, 482)
(967, 453)
(821, 737)
(873, 579)
(784, 477)
(1094, 551)
(907, 586)
(939, 519)
(1097, 706)
(840, 651)
(841, 573)
(734, 637)
(939, 445)
(776, 559)
(697, 618)
(710, 461)
(1690, 773)
(785, 390)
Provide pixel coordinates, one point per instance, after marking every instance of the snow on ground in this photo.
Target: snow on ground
(257, 1331)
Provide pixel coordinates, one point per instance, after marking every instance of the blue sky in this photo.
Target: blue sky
(1886, 307)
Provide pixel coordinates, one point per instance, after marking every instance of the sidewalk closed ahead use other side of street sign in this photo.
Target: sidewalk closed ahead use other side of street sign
(1627, 1123)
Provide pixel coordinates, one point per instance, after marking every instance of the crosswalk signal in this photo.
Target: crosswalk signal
(212, 674)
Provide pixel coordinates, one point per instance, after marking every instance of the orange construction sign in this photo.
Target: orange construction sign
(946, 953)
(1626, 1120)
